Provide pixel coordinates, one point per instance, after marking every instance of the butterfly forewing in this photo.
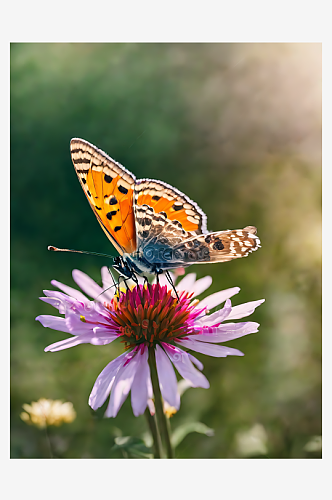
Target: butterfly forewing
(109, 188)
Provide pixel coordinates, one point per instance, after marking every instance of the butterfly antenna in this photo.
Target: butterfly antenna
(55, 249)
(114, 284)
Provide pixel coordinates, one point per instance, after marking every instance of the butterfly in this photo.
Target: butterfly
(153, 226)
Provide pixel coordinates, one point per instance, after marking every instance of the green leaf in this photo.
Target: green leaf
(181, 432)
(132, 446)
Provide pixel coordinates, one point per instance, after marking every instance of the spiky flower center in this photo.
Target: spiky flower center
(150, 313)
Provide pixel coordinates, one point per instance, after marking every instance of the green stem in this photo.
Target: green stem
(155, 434)
(48, 439)
(162, 423)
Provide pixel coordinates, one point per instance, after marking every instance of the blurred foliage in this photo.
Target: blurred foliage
(237, 127)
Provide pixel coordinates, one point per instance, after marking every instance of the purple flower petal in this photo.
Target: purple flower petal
(167, 378)
(53, 322)
(102, 386)
(70, 291)
(76, 326)
(182, 363)
(87, 284)
(216, 317)
(121, 386)
(196, 362)
(57, 303)
(217, 351)
(108, 283)
(141, 384)
(217, 298)
(59, 300)
(71, 342)
(201, 285)
(243, 310)
(186, 283)
(226, 332)
(101, 331)
(102, 340)
(81, 319)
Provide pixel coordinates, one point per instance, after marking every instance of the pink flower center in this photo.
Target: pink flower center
(151, 313)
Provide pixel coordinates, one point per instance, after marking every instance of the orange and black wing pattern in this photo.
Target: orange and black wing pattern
(162, 197)
(109, 188)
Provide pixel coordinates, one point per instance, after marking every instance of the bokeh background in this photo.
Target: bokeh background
(237, 127)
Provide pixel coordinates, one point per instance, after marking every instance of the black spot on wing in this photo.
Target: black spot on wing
(113, 201)
(109, 215)
(218, 245)
(81, 160)
(122, 189)
(108, 178)
(177, 207)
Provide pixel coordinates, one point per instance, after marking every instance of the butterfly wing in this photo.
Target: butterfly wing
(109, 188)
(156, 229)
(220, 246)
(151, 216)
(162, 197)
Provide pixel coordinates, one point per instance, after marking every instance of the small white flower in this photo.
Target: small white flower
(45, 412)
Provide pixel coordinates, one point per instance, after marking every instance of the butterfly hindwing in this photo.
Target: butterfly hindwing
(162, 197)
(220, 246)
(109, 188)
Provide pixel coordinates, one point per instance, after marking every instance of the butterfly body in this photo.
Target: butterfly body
(152, 225)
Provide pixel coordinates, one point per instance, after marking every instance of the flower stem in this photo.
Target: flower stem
(159, 403)
(48, 439)
(155, 434)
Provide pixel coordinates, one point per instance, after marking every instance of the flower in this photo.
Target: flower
(46, 412)
(147, 317)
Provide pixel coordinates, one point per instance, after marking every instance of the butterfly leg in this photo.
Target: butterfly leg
(124, 280)
(169, 279)
(133, 275)
(135, 280)
(111, 286)
(126, 284)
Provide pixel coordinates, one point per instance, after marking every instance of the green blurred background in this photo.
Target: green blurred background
(237, 127)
